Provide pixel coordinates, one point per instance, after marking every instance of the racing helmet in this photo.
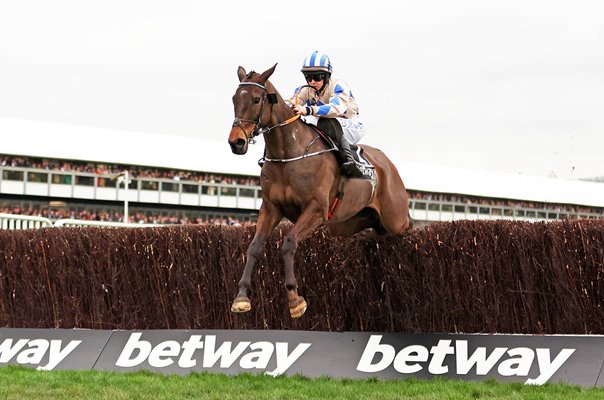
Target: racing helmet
(317, 62)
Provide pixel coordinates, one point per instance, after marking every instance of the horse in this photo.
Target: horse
(301, 181)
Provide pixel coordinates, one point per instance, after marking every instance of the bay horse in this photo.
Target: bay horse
(301, 181)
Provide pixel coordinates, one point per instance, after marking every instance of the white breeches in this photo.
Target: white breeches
(353, 128)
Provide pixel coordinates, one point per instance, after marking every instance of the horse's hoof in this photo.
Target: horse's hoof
(299, 310)
(241, 306)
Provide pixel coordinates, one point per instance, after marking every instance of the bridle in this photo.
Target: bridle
(258, 128)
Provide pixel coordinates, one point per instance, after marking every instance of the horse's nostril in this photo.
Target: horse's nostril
(238, 146)
(237, 143)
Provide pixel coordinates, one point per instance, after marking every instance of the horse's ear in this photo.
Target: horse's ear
(241, 73)
(266, 74)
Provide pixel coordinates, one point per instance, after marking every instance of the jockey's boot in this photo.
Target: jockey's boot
(349, 167)
(332, 128)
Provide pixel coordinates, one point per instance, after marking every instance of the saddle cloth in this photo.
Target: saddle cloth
(365, 166)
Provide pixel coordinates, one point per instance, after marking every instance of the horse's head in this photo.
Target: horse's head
(250, 101)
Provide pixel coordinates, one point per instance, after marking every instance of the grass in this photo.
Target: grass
(25, 383)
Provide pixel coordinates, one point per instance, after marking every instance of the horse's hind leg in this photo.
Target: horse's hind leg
(395, 223)
(268, 218)
(307, 223)
(366, 218)
(394, 213)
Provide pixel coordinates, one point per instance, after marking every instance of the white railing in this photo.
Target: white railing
(12, 221)
(70, 223)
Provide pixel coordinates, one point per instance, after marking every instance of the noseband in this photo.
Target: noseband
(258, 129)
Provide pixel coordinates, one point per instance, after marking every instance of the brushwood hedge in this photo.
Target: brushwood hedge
(466, 276)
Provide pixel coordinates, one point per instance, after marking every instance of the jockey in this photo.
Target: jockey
(325, 97)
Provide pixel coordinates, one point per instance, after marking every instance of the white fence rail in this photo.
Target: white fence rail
(105, 224)
(14, 222)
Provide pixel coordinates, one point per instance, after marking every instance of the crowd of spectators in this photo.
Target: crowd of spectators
(140, 217)
(490, 202)
(134, 171)
(196, 176)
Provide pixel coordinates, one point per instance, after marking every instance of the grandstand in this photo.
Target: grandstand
(181, 180)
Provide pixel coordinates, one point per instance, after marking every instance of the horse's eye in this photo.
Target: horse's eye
(256, 100)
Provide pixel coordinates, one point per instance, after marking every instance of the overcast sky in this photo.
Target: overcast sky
(515, 86)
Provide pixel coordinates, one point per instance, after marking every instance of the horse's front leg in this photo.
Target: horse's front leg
(268, 218)
(306, 224)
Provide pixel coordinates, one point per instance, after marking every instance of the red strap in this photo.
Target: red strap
(334, 204)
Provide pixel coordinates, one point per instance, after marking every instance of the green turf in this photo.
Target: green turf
(24, 383)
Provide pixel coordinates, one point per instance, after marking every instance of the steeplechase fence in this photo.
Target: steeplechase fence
(457, 277)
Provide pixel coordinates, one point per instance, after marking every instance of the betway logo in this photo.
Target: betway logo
(26, 351)
(249, 355)
(509, 361)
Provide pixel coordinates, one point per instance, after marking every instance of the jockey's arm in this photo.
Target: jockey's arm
(299, 97)
(338, 103)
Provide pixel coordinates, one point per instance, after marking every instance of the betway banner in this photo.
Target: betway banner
(50, 349)
(529, 359)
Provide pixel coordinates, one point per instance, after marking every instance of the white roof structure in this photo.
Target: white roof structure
(501, 185)
(73, 142)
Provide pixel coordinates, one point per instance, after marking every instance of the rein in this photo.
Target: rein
(305, 155)
(259, 129)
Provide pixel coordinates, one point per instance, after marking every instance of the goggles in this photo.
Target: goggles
(314, 77)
